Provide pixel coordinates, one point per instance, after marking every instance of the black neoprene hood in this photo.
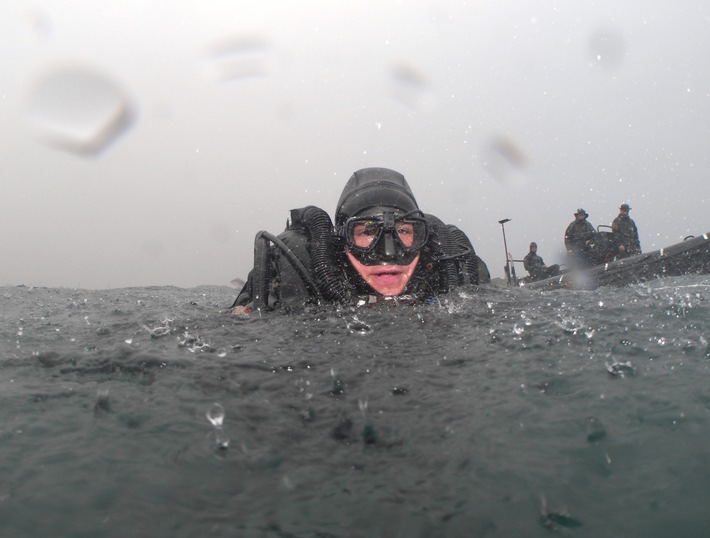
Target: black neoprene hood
(374, 187)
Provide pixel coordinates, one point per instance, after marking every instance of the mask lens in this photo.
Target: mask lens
(411, 233)
(363, 233)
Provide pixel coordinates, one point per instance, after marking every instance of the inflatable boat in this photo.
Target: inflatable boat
(690, 256)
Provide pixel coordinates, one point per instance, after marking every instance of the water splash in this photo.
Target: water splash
(215, 414)
(571, 325)
(79, 110)
(157, 332)
(620, 369)
(358, 327)
(193, 343)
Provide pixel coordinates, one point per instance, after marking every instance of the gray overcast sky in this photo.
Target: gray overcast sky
(240, 111)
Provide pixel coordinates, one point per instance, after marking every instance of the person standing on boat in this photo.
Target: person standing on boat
(625, 229)
(579, 237)
(535, 265)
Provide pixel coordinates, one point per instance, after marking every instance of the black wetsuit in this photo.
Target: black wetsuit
(534, 264)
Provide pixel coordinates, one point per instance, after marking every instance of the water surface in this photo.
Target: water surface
(500, 413)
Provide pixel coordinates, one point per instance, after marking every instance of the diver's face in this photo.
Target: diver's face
(387, 280)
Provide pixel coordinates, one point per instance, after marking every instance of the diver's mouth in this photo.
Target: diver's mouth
(385, 272)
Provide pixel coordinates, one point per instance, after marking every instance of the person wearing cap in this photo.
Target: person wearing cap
(535, 265)
(625, 229)
(579, 236)
(380, 247)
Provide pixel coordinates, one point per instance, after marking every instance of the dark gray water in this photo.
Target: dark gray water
(502, 414)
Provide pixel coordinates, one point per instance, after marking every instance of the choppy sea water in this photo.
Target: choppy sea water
(504, 413)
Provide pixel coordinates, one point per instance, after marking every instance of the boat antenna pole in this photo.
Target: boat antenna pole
(505, 245)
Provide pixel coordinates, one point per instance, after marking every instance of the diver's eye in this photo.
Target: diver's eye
(364, 233)
(405, 232)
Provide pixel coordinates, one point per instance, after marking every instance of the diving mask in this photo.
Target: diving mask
(389, 238)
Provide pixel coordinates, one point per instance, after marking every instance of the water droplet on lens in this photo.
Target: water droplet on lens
(412, 88)
(239, 58)
(215, 415)
(506, 162)
(79, 110)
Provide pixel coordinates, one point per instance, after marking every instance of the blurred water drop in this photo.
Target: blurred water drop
(215, 415)
(362, 405)
(607, 47)
(556, 520)
(338, 387)
(595, 430)
(41, 23)
(369, 434)
(239, 58)
(411, 87)
(102, 401)
(505, 161)
(79, 110)
(221, 439)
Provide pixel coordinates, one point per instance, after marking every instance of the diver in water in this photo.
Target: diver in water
(382, 247)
